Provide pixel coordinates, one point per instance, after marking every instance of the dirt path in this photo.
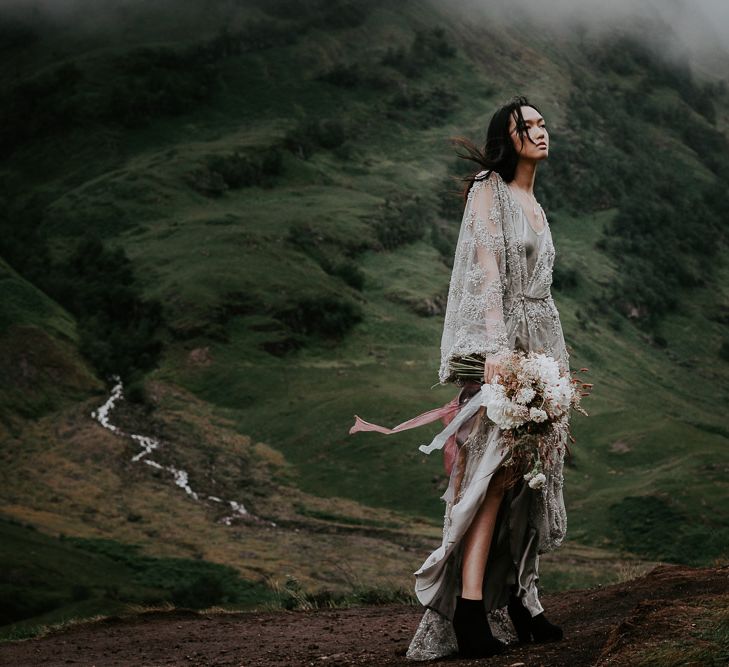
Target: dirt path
(602, 626)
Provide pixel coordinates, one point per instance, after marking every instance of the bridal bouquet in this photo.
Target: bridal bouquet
(530, 402)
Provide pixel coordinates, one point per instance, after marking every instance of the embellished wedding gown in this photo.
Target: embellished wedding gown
(499, 300)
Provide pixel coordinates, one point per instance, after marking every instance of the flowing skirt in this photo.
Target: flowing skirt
(513, 555)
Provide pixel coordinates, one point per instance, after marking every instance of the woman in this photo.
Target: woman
(499, 300)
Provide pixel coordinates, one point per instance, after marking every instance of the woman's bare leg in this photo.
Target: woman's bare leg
(477, 540)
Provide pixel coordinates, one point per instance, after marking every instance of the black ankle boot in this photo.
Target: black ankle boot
(473, 633)
(520, 617)
(544, 631)
(528, 626)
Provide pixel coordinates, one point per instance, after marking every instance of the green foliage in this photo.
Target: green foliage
(627, 57)
(255, 35)
(340, 14)
(450, 198)
(292, 595)
(236, 170)
(355, 75)
(422, 108)
(22, 242)
(117, 326)
(131, 89)
(143, 85)
(320, 14)
(62, 577)
(155, 82)
(403, 220)
(663, 235)
(321, 316)
(667, 231)
(327, 252)
(656, 528)
(194, 583)
(443, 237)
(350, 273)
(428, 46)
(564, 278)
(312, 134)
(136, 392)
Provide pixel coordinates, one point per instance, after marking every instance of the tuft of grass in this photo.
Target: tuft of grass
(293, 595)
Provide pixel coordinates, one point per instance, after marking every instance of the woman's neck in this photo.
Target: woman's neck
(524, 175)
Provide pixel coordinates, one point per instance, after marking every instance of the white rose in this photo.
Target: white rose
(506, 414)
(525, 394)
(537, 482)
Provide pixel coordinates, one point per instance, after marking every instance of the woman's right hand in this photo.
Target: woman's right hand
(492, 366)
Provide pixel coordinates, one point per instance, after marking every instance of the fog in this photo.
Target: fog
(695, 28)
(698, 29)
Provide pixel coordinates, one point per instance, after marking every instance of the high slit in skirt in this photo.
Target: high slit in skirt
(513, 555)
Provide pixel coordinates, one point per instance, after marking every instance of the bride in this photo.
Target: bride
(499, 300)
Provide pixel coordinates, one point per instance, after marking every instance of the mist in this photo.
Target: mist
(694, 29)
(686, 29)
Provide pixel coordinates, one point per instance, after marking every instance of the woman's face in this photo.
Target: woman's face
(535, 145)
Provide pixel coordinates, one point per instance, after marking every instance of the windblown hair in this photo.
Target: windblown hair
(499, 153)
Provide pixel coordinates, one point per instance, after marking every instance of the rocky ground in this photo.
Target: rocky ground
(671, 611)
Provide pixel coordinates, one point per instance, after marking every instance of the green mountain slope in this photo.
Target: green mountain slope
(40, 365)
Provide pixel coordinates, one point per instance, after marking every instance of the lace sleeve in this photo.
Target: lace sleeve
(474, 319)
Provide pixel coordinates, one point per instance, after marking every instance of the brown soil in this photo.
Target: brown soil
(602, 626)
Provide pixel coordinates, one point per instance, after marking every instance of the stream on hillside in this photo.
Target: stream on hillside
(148, 445)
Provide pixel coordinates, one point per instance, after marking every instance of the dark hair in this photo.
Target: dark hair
(499, 153)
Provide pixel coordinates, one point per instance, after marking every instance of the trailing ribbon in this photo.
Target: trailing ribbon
(465, 413)
(453, 414)
(446, 413)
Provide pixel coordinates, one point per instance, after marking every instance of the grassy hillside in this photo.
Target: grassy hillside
(39, 360)
(266, 189)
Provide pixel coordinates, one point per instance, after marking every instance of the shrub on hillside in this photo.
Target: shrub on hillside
(139, 85)
(340, 14)
(350, 273)
(402, 220)
(158, 81)
(564, 277)
(444, 238)
(312, 134)
(450, 198)
(324, 14)
(427, 47)
(344, 75)
(117, 325)
(203, 591)
(357, 74)
(255, 35)
(326, 252)
(422, 108)
(237, 170)
(660, 528)
(324, 316)
(206, 182)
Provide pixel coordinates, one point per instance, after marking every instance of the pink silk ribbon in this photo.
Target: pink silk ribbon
(446, 413)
